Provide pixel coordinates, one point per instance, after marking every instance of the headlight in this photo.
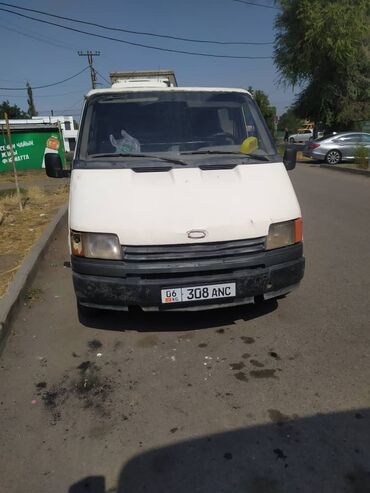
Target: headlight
(96, 245)
(284, 234)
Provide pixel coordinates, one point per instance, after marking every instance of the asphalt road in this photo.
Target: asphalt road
(247, 400)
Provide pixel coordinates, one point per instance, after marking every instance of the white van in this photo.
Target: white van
(179, 200)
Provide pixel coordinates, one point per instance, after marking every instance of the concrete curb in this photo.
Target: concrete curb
(353, 171)
(25, 275)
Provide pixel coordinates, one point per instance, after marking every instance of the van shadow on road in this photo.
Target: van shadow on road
(324, 453)
(174, 321)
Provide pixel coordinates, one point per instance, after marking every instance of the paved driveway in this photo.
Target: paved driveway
(248, 400)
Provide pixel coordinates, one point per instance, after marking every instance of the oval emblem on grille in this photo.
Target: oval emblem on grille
(197, 234)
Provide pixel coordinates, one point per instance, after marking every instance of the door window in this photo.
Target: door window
(349, 139)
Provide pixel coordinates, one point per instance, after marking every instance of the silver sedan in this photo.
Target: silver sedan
(337, 147)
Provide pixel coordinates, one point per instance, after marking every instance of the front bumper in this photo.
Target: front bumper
(105, 284)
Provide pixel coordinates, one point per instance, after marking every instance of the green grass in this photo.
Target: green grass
(362, 157)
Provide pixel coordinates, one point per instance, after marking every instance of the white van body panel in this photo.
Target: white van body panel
(118, 89)
(159, 208)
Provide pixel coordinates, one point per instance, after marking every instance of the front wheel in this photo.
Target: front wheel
(291, 140)
(333, 157)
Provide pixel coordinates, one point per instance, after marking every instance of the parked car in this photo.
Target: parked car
(301, 136)
(338, 147)
(304, 135)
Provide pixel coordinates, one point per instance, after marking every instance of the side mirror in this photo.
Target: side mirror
(53, 166)
(290, 158)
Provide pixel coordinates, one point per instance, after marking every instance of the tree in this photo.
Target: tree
(268, 111)
(31, 105)
(290, 120)
(322, 46)
(13, 111)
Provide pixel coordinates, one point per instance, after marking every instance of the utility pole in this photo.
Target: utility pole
(90, 58)
(13, 161)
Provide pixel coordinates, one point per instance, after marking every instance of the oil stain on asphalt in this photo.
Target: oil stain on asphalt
(280, 454)
(256, 363)
(274, 355)
(237, 366)
(247, 340)
(241, 376)
(84, 383)
(263, 373)
(94, 344)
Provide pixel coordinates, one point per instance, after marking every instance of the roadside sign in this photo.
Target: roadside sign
(29, 148)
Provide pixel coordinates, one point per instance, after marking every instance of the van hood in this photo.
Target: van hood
(159, 208)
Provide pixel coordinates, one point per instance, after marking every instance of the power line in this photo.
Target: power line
(45, 85)
(61, 94)
(143, 33)
(141, 45)
(37, 38)
(73, 106)
(102, 77)
(251, 3)
(44, 95)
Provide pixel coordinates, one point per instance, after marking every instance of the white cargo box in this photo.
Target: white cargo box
(146, 78)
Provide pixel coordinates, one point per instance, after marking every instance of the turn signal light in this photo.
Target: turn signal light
(298, 230)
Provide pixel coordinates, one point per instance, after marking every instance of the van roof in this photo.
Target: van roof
(118, 89)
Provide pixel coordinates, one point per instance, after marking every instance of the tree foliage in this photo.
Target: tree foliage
(290, 120)
(268, 111)
(31, 104)
(13, 111)
(324, 46)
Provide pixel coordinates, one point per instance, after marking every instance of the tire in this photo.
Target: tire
(291, 140)
(333, 157)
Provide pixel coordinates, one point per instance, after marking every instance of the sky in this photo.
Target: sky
(43, 54)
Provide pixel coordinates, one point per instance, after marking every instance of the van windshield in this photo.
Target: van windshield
(173, 122)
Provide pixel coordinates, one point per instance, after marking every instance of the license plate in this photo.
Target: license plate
(198, 293)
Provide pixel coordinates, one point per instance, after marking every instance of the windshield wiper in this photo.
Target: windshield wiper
(139, 155)
(241, 154)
